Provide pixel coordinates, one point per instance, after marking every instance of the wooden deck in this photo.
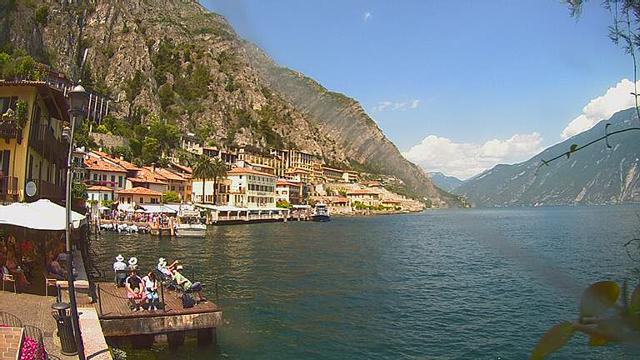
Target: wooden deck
(118, 320)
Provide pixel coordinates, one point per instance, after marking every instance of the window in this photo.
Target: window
(105, 197)
(120, 180)
(141, 200)
(95, 177)
(7, 103)
(113, 179)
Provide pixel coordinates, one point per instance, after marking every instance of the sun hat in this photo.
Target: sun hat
(120, 258)
(162, 261)
(179, 267)
(133, 261)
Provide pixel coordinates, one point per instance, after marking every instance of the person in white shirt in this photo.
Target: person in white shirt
(120, 268)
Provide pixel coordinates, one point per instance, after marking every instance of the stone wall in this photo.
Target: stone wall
(109, 141)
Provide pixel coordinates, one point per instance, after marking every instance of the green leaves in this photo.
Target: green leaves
(553, 340)
(598, 298)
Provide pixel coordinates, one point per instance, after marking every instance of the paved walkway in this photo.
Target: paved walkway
(35, 310)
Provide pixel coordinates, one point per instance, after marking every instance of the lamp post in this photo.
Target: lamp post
(77, 106)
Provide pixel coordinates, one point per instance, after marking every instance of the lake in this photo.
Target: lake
(451, 284)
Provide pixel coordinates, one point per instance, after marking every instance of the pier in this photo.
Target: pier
(172, 323)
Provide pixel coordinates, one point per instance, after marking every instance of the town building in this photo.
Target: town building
(251, 188)
(147, 178)
(364, 196)
(331, 174)
(299, 175)
(175, 182)
(33, 153)
(222, 191)
(289, 191)
(104, 173)
(139, 196)
(349, 176)
(100, 194)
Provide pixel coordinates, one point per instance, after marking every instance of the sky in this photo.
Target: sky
(458, 86)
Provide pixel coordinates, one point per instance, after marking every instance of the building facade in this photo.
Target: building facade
(251, 188)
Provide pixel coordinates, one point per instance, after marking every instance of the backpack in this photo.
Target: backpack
(188, 301)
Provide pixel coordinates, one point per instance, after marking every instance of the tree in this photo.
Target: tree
(219, 172)
(204, 169)
(170, 197)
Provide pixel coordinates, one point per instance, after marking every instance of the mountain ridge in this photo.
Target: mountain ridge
(593, 175)
(195, 71)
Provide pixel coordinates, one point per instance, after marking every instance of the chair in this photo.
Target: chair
(32, 333)
(49, 282)
(10, 320)
(9, 278)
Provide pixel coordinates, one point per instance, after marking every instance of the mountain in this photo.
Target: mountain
(593, 175)
(175, 60)
(445, 182)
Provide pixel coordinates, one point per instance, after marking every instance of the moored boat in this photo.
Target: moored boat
(321, 213)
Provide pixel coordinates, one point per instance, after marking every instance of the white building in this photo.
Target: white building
(100, 193)
(251, 188)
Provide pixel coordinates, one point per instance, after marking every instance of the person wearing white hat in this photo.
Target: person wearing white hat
(120, 268)
(133, 263)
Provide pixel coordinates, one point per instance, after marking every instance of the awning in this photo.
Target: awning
(39, 215)
(157, 209)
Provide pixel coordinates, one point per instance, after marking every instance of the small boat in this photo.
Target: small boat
(190, 224)
(191, 230)
(321, 213)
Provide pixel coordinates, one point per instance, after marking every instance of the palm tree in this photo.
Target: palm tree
(219, 172)
(204, 169)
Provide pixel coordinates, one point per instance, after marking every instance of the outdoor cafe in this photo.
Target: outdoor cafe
(32, 245)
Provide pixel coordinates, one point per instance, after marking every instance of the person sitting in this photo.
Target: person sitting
(120, 270)
(167, 270)
(133, 263)
(187, 285)
(134, 292)
(151, 290)
(55, 270)
(16, 271)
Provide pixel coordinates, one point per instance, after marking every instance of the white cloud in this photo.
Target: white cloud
(601, 108)
(366, 16)
(465, 160)
(397, 105)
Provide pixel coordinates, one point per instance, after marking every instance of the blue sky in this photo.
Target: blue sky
(468, 72)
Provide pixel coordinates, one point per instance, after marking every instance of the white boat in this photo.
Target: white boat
(321, 213)
(191, 230)
(189, 224)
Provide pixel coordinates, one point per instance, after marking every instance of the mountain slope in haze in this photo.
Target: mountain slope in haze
(445, 182)
(175, 60)
(594, 175)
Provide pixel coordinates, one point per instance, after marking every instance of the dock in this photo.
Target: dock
(119, 322)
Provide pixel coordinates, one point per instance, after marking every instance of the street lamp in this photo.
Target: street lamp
(77, 104)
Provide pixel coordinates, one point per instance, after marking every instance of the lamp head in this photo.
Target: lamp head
(78, 98)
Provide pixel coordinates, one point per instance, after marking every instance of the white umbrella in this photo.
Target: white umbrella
(39, 215)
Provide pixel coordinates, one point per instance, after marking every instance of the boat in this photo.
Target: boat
(321, 213)
(189, 224)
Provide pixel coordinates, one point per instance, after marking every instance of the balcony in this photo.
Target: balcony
(43, 139)
(9, 129)
(9, 189)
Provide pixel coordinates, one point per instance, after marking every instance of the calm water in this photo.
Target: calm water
(474, 284)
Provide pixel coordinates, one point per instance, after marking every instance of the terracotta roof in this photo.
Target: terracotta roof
(243, 171)
(140, 191)
(99, 188)
(362, 192)
(164, 174)
(286, 182)
(96, 164)
(146, 176)
(123, 163)
(183, 168)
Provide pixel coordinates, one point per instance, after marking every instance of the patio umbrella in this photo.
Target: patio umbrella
(39, 215)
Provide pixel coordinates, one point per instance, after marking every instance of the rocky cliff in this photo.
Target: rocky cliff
(178, 61)
(594, 175)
